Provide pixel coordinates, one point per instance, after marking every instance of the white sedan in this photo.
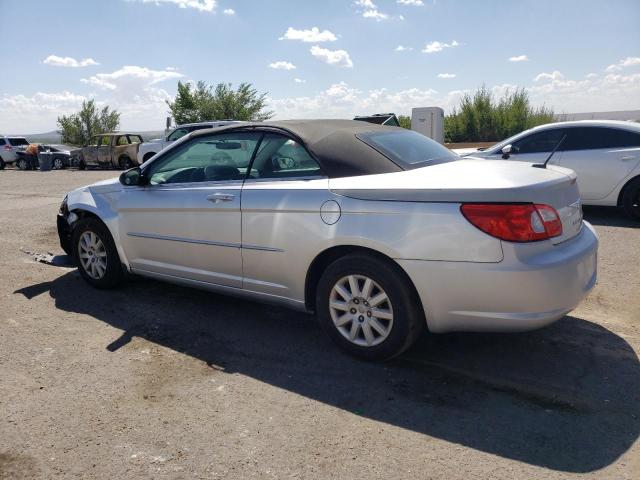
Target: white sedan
(379, 230)
(604, 153)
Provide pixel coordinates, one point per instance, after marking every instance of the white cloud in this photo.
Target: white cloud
(624, 63)
(371, 10)
(591, 75)
(402, 48)
(312, 35)
(57, 61)
(436, 46)
(555, 75)
(282, 65)
(343, 101)
(446, 75)
(200, 5)
(130, 76)
(613, 92)
(339, 58)
(414, 3)
(519, 58)
(299, 80)
(37, 113)
(229, 11)
(375, 14)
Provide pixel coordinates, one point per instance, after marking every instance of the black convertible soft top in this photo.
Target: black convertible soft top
(332, 142)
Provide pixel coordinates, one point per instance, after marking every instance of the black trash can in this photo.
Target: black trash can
(45, 161)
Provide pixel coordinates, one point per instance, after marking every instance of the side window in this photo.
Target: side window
(176, 134)
(593, 138)
(627, 139)
(105, 142)
(281, 157)
(122, 141)
(135, 139)
(206, 159)
(2, 141)
(539, 142)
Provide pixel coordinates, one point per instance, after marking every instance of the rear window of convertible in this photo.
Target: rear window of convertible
(408, 149)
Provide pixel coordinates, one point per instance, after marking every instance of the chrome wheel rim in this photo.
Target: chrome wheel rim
(93, 255)
(361, 310)
(57, 164)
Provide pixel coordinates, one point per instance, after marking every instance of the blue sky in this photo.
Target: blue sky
(574, 56)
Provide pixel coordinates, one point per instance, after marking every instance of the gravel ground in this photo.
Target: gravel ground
(158, 381)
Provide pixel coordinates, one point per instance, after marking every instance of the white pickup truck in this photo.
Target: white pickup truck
(150, 148)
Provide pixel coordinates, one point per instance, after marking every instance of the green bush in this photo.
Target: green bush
(480, 118)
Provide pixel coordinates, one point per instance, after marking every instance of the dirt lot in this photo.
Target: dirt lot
(157, 381)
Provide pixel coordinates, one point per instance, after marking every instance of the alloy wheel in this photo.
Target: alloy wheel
(361, 310)
(92, 255)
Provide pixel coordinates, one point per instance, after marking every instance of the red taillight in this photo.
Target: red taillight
(514, 222)
(7, 147)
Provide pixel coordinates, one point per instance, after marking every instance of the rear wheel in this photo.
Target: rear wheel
(368, 307)
(2, 164)
(58, 163)
(125, 163)
(22, 164)
(147, 156)
(81, 164)
(631, 199)
(95, 254)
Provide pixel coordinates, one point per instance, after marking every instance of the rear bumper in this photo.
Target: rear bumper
(532, 287)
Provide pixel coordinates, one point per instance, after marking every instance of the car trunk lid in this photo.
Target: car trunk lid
(468, 181)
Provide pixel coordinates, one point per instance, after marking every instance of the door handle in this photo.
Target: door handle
(627, 157)
(220, 197)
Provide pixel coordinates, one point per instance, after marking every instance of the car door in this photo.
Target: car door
(90, 152)
(104, 150)
(601, 156)
(537, 146)
(282, 199)
(186, 223)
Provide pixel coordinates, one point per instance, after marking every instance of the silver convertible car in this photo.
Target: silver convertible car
(379, 230)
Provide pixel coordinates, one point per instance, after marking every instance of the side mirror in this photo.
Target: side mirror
(132, 177)
(506, 151)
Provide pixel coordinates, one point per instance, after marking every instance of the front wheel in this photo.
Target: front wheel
(95, 254)
(631, 199)
(22, 164)
(368, 307)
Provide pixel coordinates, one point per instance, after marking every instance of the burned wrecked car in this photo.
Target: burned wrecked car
(109, 150)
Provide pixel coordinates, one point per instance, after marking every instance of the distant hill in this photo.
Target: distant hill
(55, 138)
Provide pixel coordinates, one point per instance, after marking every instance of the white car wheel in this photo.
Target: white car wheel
(361, 310)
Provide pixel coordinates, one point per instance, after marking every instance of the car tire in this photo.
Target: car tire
(22, 164)
(82, 165)
(147, 156)
(631, 199)
(2, 164)
(58, 163)
(95, 254)
(125, 163)
(349, 318)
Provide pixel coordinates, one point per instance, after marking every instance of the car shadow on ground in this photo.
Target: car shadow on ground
(608, 216)
(566, 397)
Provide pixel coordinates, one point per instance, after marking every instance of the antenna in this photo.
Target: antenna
(544, 165)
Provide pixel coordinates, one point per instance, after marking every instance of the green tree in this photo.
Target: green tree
(203, 102)
(482, 118)
(78, 128)
(405, 121)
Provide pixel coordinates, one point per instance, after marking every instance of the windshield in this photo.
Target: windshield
(407, 148)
